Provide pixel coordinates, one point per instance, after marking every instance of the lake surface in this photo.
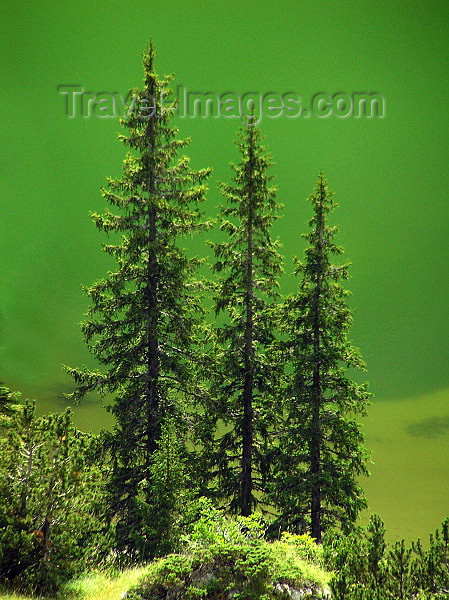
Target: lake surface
(409, 479)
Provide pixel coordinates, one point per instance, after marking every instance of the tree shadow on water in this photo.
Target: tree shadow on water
(429, 428)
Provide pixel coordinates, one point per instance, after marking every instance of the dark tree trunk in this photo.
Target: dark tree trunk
(315, 439)
(315, 460)
(152, 388)
(248, 384)
(247, 450)
(153, 425)
(45, 538)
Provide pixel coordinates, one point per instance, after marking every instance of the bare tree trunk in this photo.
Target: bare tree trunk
(248, 414)
(152, 391)
(153, 425)
(315, 460)
(315, 441)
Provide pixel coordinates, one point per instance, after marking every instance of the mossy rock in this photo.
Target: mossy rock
(253, 570)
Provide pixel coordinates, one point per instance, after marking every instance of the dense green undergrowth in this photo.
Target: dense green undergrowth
(220, 558)
(366, 568)
(223, 558)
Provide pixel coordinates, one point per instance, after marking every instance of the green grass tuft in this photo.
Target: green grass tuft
(93, 586)
(100, 586)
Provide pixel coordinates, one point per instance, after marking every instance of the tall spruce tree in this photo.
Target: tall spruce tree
(247, 265)
(144, 316)
(320, 453)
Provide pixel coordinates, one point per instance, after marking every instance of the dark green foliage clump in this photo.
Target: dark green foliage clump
(50, 499)
(230, 558)
(365, 568)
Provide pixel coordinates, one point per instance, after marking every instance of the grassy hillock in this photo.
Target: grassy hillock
(253, 570)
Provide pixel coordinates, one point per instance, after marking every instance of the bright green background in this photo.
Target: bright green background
(390, 176)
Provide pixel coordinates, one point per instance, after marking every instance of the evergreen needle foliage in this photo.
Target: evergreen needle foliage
(247, 264)
(366, 568)
(144, 320)
(320, 453)
(9, 407)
